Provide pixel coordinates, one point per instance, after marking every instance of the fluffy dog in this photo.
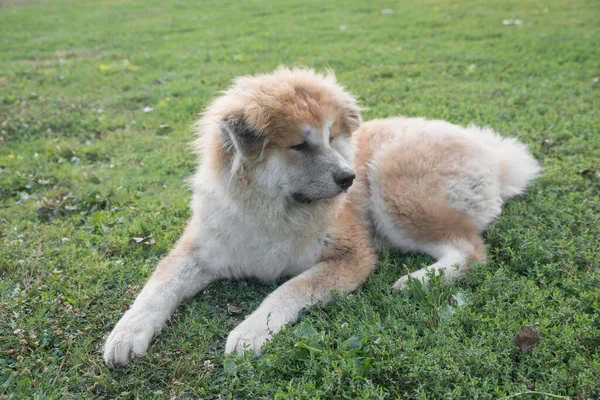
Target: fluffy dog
(269, 201)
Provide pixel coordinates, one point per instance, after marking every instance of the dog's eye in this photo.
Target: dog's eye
(301, 147)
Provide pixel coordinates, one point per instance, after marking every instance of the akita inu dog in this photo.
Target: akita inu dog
(269, 201)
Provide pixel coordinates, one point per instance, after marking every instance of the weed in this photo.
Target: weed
(437, 298)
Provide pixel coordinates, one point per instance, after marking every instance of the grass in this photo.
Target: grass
(83, 169)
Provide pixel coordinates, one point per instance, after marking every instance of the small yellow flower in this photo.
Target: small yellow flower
(163, 102)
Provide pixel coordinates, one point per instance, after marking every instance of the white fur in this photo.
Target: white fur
(522, 168)
(277, 310)
(476, 191)
(450, 259)
(343, 145)
(151, 309)
(262, 237)
(312, 135)
(327, 131)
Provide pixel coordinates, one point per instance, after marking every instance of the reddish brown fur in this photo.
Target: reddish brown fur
(275, 106)
(185, 246)
(347, 263)
(413, 196)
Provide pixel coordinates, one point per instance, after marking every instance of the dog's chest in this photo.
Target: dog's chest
(236, 248)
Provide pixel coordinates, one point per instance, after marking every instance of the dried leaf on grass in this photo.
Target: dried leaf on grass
(142, 240)
(589, 172)
(527, 338)
(232, 309)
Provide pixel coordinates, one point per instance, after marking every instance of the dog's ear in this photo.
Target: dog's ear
(245, 139)
(353, 111)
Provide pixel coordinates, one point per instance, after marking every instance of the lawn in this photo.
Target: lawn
(97, 100)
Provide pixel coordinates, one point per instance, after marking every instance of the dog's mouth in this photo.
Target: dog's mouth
(302, 199)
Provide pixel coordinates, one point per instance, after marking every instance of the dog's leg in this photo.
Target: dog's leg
(178, 276)
(342, 269)
(453, 257)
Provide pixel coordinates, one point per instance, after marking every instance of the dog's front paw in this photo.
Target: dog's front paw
(129, 339)
(247, 336)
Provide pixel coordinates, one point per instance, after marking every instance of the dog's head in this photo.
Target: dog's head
(288, 132)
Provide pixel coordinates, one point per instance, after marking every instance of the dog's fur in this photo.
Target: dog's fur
(433, 187)
(269, 201)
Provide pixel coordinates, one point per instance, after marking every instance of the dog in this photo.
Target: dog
(269, 201)
(291, 183)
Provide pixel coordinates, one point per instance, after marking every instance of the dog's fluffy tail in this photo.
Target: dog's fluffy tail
(518, 166)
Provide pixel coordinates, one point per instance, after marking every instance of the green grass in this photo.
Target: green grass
(83, 169)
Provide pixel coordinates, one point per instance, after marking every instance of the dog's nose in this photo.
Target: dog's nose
(344, 179)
